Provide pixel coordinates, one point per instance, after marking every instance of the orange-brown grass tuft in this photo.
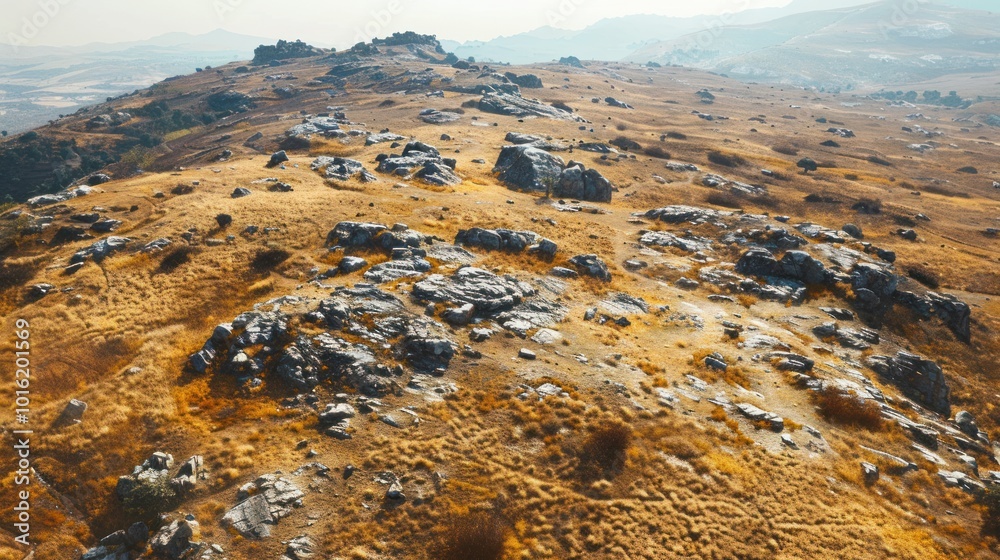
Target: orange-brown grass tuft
(476, 536)
(266, 261)
(786, 149)
(726, 160)
(846, 408)
(175, 258)
(925, 276)
(606, 446)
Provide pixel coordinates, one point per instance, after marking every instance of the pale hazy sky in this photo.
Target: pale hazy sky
(323, 22)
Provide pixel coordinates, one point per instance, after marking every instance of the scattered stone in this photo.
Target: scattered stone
(277, 158)
(870, 473)
(757, 415)
(591, 265)
(73, 413)
(351, 264)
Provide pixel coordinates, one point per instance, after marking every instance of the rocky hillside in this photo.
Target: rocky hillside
(388, 304)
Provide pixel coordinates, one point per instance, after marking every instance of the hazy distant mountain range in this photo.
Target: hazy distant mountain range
(40, 83)
(827, 43)
(862, 46)
(718, 41)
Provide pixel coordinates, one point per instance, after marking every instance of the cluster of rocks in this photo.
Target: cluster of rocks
(155, 472)
(475, 295)
(100, 250)
(260, 341)
(420, 161)
(858, 339)
(529, 81)
(326, 126)
(109, 120)
(342, 169)
(526, 167)
(736, 187)
(507, 240)
(955, 313)
(513, 105)
(262, 503)
(540, 142)
(59, 197)
(918, 378)
(685, 215)
(686, 242)
(434, 116)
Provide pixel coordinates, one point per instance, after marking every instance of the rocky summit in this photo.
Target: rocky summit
(388, 302)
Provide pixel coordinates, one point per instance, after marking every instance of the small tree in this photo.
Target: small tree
(807, 165)
(150, 496)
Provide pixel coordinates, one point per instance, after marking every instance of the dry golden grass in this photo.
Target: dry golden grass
(683, 485)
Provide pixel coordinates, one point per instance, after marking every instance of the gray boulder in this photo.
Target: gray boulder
(528, 168)
(173, 541)
(529, 81)
(513, 105)
(277, 158)
(351, 264)
(583, 184)
(591, 265)
(100, 250)
(918, 378)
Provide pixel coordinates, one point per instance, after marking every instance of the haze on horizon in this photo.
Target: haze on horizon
(323, 23)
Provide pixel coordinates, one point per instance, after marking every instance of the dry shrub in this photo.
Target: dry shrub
(879, 161)
(175, 258)
(942, 191)
(851, 176)
(676, 136)
(562, 106)
(295, 143)
(387, 103)
(724, 199)
(15, 275)
(476, 536)
(606, 446)
(868, 206)
(925, 276)
(626, 144)
(842, 407)
(726, 160)
(266, 261)
(621, 127)
(786, 149)
(657, 152)
(11, 230)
